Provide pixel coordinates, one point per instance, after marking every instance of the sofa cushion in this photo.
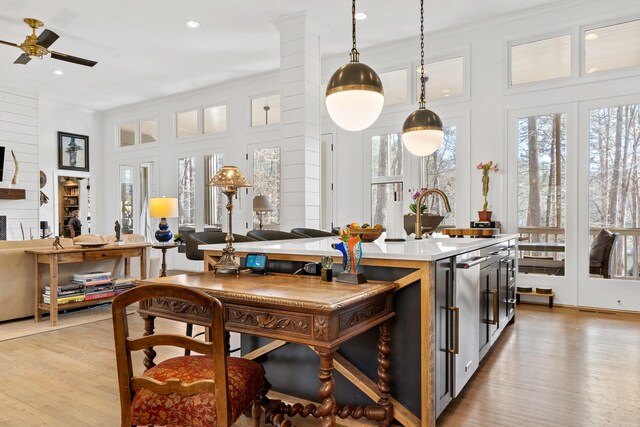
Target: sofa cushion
(89, 238)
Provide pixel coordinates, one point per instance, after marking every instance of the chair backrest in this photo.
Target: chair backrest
(272, 235)
(206, 238)
(310, 232)
(213, 347)
(602, 252)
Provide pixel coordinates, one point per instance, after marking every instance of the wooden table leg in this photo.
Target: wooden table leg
(327, 408)
(384, 378)
(143, 263)
(163, 268)
(53, 290)
(551, 301)
(38, 296)
(149, 353)
(127, 266)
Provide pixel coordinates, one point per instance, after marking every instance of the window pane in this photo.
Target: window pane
(439, 171)
(446, 79)
(395, 87)
(541, 189)
(541, 60)
(187, 191)
(607, 48)
(265, 110)
(215, 119)
(126, 199)
(214, 201)
(614, 183)
(266, 181)
(386, 155)
(146, 228)
(381, 195)
(187, 124)
(127, 134)
(148, 131)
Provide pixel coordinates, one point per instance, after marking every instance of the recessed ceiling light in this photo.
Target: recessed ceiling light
(193, 24)
(58, 72)
(592, 70)
(591, 36)
(361, 15)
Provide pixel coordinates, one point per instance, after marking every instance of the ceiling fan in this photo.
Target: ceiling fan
(38, 46)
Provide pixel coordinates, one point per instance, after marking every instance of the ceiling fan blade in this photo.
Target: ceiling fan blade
(8, 43)
(74, 59)
(22, 59)
(46, 38)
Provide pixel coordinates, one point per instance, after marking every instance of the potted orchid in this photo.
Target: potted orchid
(485, 214)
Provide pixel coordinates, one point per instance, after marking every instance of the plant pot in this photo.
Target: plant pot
(484, 215)
(429, 222)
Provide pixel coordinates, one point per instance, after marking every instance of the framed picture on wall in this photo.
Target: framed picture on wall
(73, 151)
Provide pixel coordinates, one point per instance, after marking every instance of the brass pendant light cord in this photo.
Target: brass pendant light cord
(355, 56)
(423, 79)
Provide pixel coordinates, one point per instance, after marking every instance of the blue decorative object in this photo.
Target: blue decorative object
(163, 235)
(163, 208)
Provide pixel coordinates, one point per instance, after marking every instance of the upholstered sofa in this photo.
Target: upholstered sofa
(17, 269)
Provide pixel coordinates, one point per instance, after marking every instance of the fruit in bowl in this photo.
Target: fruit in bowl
(366, 232)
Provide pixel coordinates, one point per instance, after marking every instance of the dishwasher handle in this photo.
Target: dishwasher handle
(456, 337)
(469, 264)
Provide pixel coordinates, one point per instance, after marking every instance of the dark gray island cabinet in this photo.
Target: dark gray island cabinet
(454, 299)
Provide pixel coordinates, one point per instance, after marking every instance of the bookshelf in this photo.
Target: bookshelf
(69, 202)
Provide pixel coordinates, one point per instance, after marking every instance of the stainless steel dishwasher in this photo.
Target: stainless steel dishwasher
(457, 294)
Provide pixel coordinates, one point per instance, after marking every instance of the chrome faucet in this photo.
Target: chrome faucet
(422, 195)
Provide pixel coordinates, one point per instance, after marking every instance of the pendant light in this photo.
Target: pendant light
(422, 131)
(354, 93)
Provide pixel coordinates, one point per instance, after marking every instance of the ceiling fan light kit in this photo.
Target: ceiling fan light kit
(422, 132)
(354, 96)
(38, 46)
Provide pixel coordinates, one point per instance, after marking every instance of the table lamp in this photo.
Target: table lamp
(262, 205)
(163, 208)
(229, 178)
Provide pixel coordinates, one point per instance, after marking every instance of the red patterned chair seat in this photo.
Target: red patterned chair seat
(245, 379)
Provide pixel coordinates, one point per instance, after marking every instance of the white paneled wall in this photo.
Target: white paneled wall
(19, 132)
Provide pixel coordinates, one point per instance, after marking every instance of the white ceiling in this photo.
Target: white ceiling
(144, 49)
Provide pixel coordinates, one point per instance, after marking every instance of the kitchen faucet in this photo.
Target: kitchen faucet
(422, 195)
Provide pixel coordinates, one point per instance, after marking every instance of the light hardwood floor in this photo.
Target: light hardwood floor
(552, 368)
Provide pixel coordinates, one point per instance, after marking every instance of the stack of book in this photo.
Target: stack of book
(71, 292)
(122, 284)
(96, 285)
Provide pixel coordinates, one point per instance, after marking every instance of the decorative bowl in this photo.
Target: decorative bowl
(367, 234)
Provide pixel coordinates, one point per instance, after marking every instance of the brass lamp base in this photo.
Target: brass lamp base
(227, 263)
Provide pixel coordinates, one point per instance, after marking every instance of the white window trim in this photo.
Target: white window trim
(549, 83)
(465, 53)
(259, 128)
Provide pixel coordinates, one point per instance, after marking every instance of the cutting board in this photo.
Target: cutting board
(473, 232)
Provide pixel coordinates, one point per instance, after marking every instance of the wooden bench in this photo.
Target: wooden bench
(536, 294)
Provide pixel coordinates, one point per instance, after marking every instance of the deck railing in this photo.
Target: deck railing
(626, 254)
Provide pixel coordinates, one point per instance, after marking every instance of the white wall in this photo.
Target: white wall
(484, 110)
(52, 118)
(19, 132)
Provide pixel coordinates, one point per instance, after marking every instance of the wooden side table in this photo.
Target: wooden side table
(163, 248)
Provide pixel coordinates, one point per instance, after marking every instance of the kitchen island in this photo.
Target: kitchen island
(428, 325)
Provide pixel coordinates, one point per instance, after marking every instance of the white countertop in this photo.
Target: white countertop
(415, 250)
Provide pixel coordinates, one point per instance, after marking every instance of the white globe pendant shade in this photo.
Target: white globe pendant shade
(355, 110)
(422, 142)
(422, 132)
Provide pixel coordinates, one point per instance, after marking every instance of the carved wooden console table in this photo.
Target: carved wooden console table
(294, 309)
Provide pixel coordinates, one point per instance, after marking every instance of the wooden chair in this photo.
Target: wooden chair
(601, 254)
(206, 390)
